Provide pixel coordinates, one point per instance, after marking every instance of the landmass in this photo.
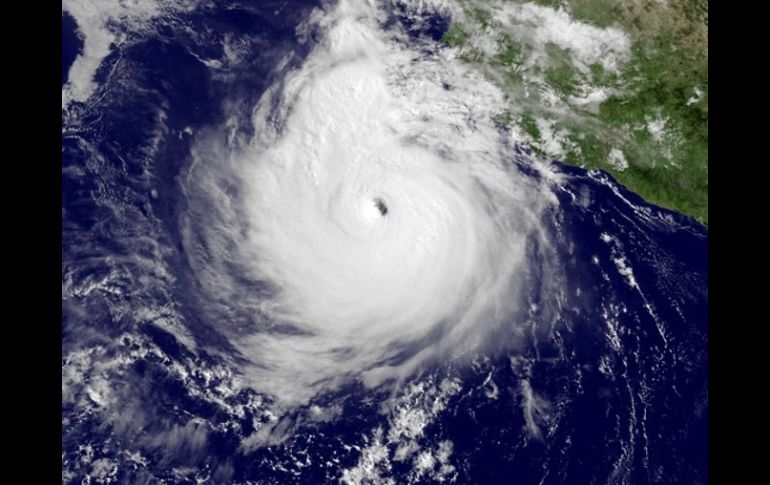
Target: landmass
(616, 85)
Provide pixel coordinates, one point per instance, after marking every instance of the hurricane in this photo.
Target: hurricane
(369, 224)
(360, 241)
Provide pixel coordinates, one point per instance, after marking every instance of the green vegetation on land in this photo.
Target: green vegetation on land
(654, 111)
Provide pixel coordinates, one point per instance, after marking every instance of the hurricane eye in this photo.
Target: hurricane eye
(380, 205)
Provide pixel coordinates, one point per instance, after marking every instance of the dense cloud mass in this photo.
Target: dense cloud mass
(374, 221)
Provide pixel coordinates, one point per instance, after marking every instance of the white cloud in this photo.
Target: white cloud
(617, 159)
(365, 120)
(541, 25)
(657, 128)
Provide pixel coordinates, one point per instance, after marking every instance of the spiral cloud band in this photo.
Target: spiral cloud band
(374, 222)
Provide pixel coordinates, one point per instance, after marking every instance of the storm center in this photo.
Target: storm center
(375, 209)
(381, 207)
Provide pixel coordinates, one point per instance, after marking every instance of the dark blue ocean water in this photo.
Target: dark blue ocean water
(624, 372)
